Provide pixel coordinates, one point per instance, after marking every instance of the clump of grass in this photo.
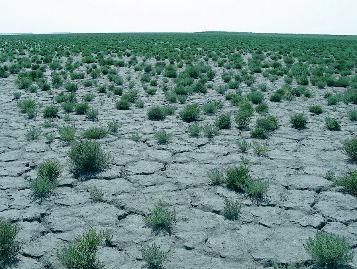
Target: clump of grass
(82, 252)
(28, 107)
(81, 108)
(156, 113)
(223, 121)
(352, 115)
(71, 87)
(210, 131)
(42, 187)
(122, 104)
(244, 114)
(96, 194)
(46, 181)
(50, 111)
(194, 130)
(88, 157)
(329, 250)
(243, 146)
(349, 182)
(161, 218)
(211, 107)
(50, 169)
(190, 113)
(332, 124)
(113, 127)
(33, 133)
(67, 133)
(256, 97)
(95, 133)
(231, 209)
(216, 177)
(239, 179)
(88, 97)
(264, 126)
(136, 137)
(162, 137)
(154, 257)
(315, 109)
(92, 114)
(260, 149)
(262, 108)
(9, 247)
(298, 121)
(350, 148)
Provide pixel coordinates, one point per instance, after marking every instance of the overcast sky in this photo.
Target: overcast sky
(273, 16)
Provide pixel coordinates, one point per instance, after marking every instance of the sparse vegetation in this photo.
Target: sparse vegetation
(9, 247)
(161, 218)
(298, 121)
(329, 250)
(82, 252)
(350, 148)
(154, 257)
(88, 157)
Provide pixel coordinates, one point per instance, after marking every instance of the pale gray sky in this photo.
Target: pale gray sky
(278, 16)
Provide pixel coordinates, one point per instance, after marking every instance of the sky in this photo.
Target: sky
(262, 16)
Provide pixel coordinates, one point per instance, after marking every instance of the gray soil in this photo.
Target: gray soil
(299, 202)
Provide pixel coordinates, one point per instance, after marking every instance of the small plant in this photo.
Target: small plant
(92, 114)
(67, 133)
(243, 146)
(82, 108)
(41, 188)
(156, 113)
(71, 87)
(33, 133)
(28, 106)
(215, 177)
(350, 148)
(210, 131)
(50, 169)
(136, 137)
(260, 149)
(211, 107)
(315, 109)
(161, 218)
(95, 133)
(88, 157)
(88, 97)
(262, 108)
(223, 121)
(17, 95)
(332, 124)
(329, 250)
(298, 121)
(190, 113)
(231, 209)
(162, 137)
(349, 182)
(9, 247)
(352, 115)
(244, 115)
(81, 253)
(122, 104)
(154, 257)
(194, 130)
(96, 195)
(113, 127)
(239, 179)
(256, 97)
(50, 111)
